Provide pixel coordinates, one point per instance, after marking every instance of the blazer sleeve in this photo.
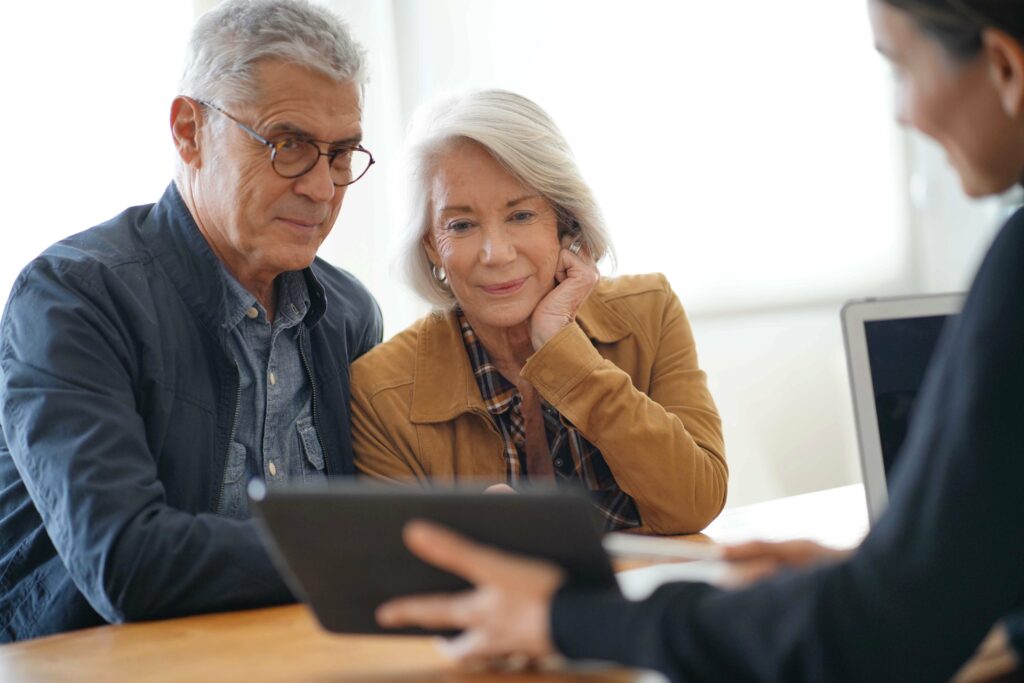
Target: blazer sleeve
(664, 447)
(70, 414)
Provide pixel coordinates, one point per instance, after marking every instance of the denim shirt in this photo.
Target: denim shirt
(274, 436)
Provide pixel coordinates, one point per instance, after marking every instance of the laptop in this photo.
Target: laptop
(889, 344)
(340, 549)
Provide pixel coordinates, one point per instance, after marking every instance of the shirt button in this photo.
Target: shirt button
(273, 469)
(273, 379)
(559, 462)
(252, 313)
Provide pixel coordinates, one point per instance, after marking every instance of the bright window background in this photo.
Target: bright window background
(87, 89)
(744, 149)
(723, 156)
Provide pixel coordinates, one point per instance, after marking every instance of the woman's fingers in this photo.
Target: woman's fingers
(575, 275)
(452, 552)
(506, 612)
(434, 612)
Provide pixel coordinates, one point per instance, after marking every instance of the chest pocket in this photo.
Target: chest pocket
(313, 468)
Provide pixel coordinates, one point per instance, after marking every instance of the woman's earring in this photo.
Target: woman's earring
(438, 273)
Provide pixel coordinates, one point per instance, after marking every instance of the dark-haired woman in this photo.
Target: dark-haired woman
(946, 561)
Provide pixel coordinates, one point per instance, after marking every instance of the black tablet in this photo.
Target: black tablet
(340, 546)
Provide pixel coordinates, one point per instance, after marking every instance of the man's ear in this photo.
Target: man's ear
(1005, 57)
(186, 116)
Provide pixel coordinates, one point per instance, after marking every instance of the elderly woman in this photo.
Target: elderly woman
(534, 367)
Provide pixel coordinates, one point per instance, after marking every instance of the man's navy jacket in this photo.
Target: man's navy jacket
(118, 396)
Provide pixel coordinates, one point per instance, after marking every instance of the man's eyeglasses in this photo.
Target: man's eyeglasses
(293, 156)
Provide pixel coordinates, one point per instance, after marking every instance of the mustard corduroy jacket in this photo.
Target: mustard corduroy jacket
(625, 374)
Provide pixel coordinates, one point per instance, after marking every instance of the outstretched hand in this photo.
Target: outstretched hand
(506, 613)
(576, 275)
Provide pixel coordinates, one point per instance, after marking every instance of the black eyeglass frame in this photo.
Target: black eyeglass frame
(273, 147)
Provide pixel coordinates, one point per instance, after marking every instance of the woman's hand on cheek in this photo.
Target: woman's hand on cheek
(576, 275)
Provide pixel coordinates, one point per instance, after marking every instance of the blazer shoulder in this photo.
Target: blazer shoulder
(637, 297)
(624, 286)
(625, 304)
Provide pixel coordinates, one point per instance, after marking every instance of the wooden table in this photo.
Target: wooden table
(265, 645)
(285, 643)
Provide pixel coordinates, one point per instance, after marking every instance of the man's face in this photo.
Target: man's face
(258, 223)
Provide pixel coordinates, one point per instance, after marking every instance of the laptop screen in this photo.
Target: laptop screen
(899, 351)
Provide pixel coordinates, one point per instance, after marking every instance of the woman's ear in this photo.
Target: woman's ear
(428, 246)
(1005, 57)
(568, 229)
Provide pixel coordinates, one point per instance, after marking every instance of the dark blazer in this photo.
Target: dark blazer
(942, 565)
(118, 396)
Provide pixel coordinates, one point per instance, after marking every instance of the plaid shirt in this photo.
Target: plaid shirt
(575, 460)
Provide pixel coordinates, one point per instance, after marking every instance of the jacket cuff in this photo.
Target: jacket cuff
(588, 624)
(562, 363)
(585, 623)
(1015, 634)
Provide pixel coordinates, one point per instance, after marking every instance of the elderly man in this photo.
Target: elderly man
(151, 365)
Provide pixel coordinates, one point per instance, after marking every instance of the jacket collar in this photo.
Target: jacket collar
(177, 244)
(443, 382)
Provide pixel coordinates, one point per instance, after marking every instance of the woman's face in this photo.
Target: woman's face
(496, 239)
(955, 102)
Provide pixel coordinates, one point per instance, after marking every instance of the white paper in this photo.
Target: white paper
(630, 546)
(637, 584)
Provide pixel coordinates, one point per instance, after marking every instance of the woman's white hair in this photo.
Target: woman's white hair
(229, 41)
(525, 141)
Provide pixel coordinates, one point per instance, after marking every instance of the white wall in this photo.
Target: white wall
(87, 88)
(754, 162)
(722, 155)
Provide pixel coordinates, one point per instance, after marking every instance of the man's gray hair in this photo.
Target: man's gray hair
(229, 41)
(525, 141)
